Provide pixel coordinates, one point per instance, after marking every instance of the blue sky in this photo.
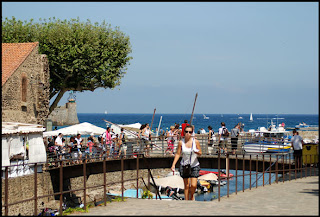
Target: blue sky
(240, 57)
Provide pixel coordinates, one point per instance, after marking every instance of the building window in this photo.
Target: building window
(24, 89)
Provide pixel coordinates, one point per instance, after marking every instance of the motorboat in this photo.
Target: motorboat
(205, 117)
(302, 125)
(272, 140)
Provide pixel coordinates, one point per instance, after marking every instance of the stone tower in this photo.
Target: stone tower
(67, 114)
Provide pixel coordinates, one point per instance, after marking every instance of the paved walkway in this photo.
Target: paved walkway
(295, 197)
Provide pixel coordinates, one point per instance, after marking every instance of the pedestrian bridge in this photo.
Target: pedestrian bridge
(248, 162)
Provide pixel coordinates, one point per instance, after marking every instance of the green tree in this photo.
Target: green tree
(82, 56)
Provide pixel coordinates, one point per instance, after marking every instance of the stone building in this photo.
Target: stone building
(25, 83)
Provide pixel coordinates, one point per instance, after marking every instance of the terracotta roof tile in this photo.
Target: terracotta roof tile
(13, 55)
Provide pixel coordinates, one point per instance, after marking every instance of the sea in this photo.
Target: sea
(214, 120)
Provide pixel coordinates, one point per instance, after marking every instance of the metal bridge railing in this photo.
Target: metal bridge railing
(273, 164)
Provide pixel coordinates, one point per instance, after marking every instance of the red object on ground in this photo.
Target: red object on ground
(222, 174)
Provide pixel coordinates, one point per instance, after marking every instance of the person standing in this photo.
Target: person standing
(296, 143)
(78, 139)
(123, 145)
(211, 138)
(183, 126)
(223, 137)
(235, 132)
(59, 146)
(170, 141)
(189, 148)
(106, 139)
(58, 140)
(146, 133)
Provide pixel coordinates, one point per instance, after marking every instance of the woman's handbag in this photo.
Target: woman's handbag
(186, 169)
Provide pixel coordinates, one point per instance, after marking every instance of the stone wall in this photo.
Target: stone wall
(21, 188)
(35, 110)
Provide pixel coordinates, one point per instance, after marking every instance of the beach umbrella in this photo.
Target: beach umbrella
(84, 128)
(174, 181)
(208, 176)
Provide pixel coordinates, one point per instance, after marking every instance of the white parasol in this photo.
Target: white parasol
(174, 181)
(82, 128)
(208, 176)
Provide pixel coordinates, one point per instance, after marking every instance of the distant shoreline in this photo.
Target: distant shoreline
(187, 113)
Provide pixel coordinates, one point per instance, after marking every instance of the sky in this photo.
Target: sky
(240, 57)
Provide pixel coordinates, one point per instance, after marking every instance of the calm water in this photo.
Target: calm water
(259, 120)
(232, 184)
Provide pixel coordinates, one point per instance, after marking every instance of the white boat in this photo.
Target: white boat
(274, 139)
(302, 125)
(240, 117)
(205, 117)
(251, 118)
(106, 112)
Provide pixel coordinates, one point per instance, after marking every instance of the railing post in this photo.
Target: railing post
(283, 168)
(263, 169)
(6, 192)
(243, 169)
(277, 170)
(300, 165)
(61, 188)
(250, 172)
(270, 171)
(137, 175)
(315, 161)
(104, 181)
(85, 183)
(236, 174)
(289, 166)
(122, 185)
(219, 180)
(35, 190)
(257, 171)
(227, 165)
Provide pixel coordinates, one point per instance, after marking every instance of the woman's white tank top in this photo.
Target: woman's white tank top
(147, 133)
(186, 152)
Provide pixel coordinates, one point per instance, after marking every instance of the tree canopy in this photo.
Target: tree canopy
(82, 56)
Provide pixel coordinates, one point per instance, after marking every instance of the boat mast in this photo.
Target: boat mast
(154, 111)
(159, 127)
(194, 104)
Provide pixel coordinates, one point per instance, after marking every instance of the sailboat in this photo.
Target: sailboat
(251, 118)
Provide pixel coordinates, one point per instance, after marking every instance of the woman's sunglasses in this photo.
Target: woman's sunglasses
(186, 131)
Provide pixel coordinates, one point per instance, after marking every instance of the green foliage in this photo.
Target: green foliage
(146, 194)
(82, 56)
(77, 209)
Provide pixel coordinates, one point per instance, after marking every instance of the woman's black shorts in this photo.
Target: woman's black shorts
(194, 172)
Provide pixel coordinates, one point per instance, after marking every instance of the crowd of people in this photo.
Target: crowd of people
(109, 145)
(112, 145)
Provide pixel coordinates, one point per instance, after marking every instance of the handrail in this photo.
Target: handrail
(139, 155)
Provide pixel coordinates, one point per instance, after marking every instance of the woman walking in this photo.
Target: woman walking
(190, 148)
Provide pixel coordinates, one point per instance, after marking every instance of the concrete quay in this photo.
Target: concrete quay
(294, 197)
